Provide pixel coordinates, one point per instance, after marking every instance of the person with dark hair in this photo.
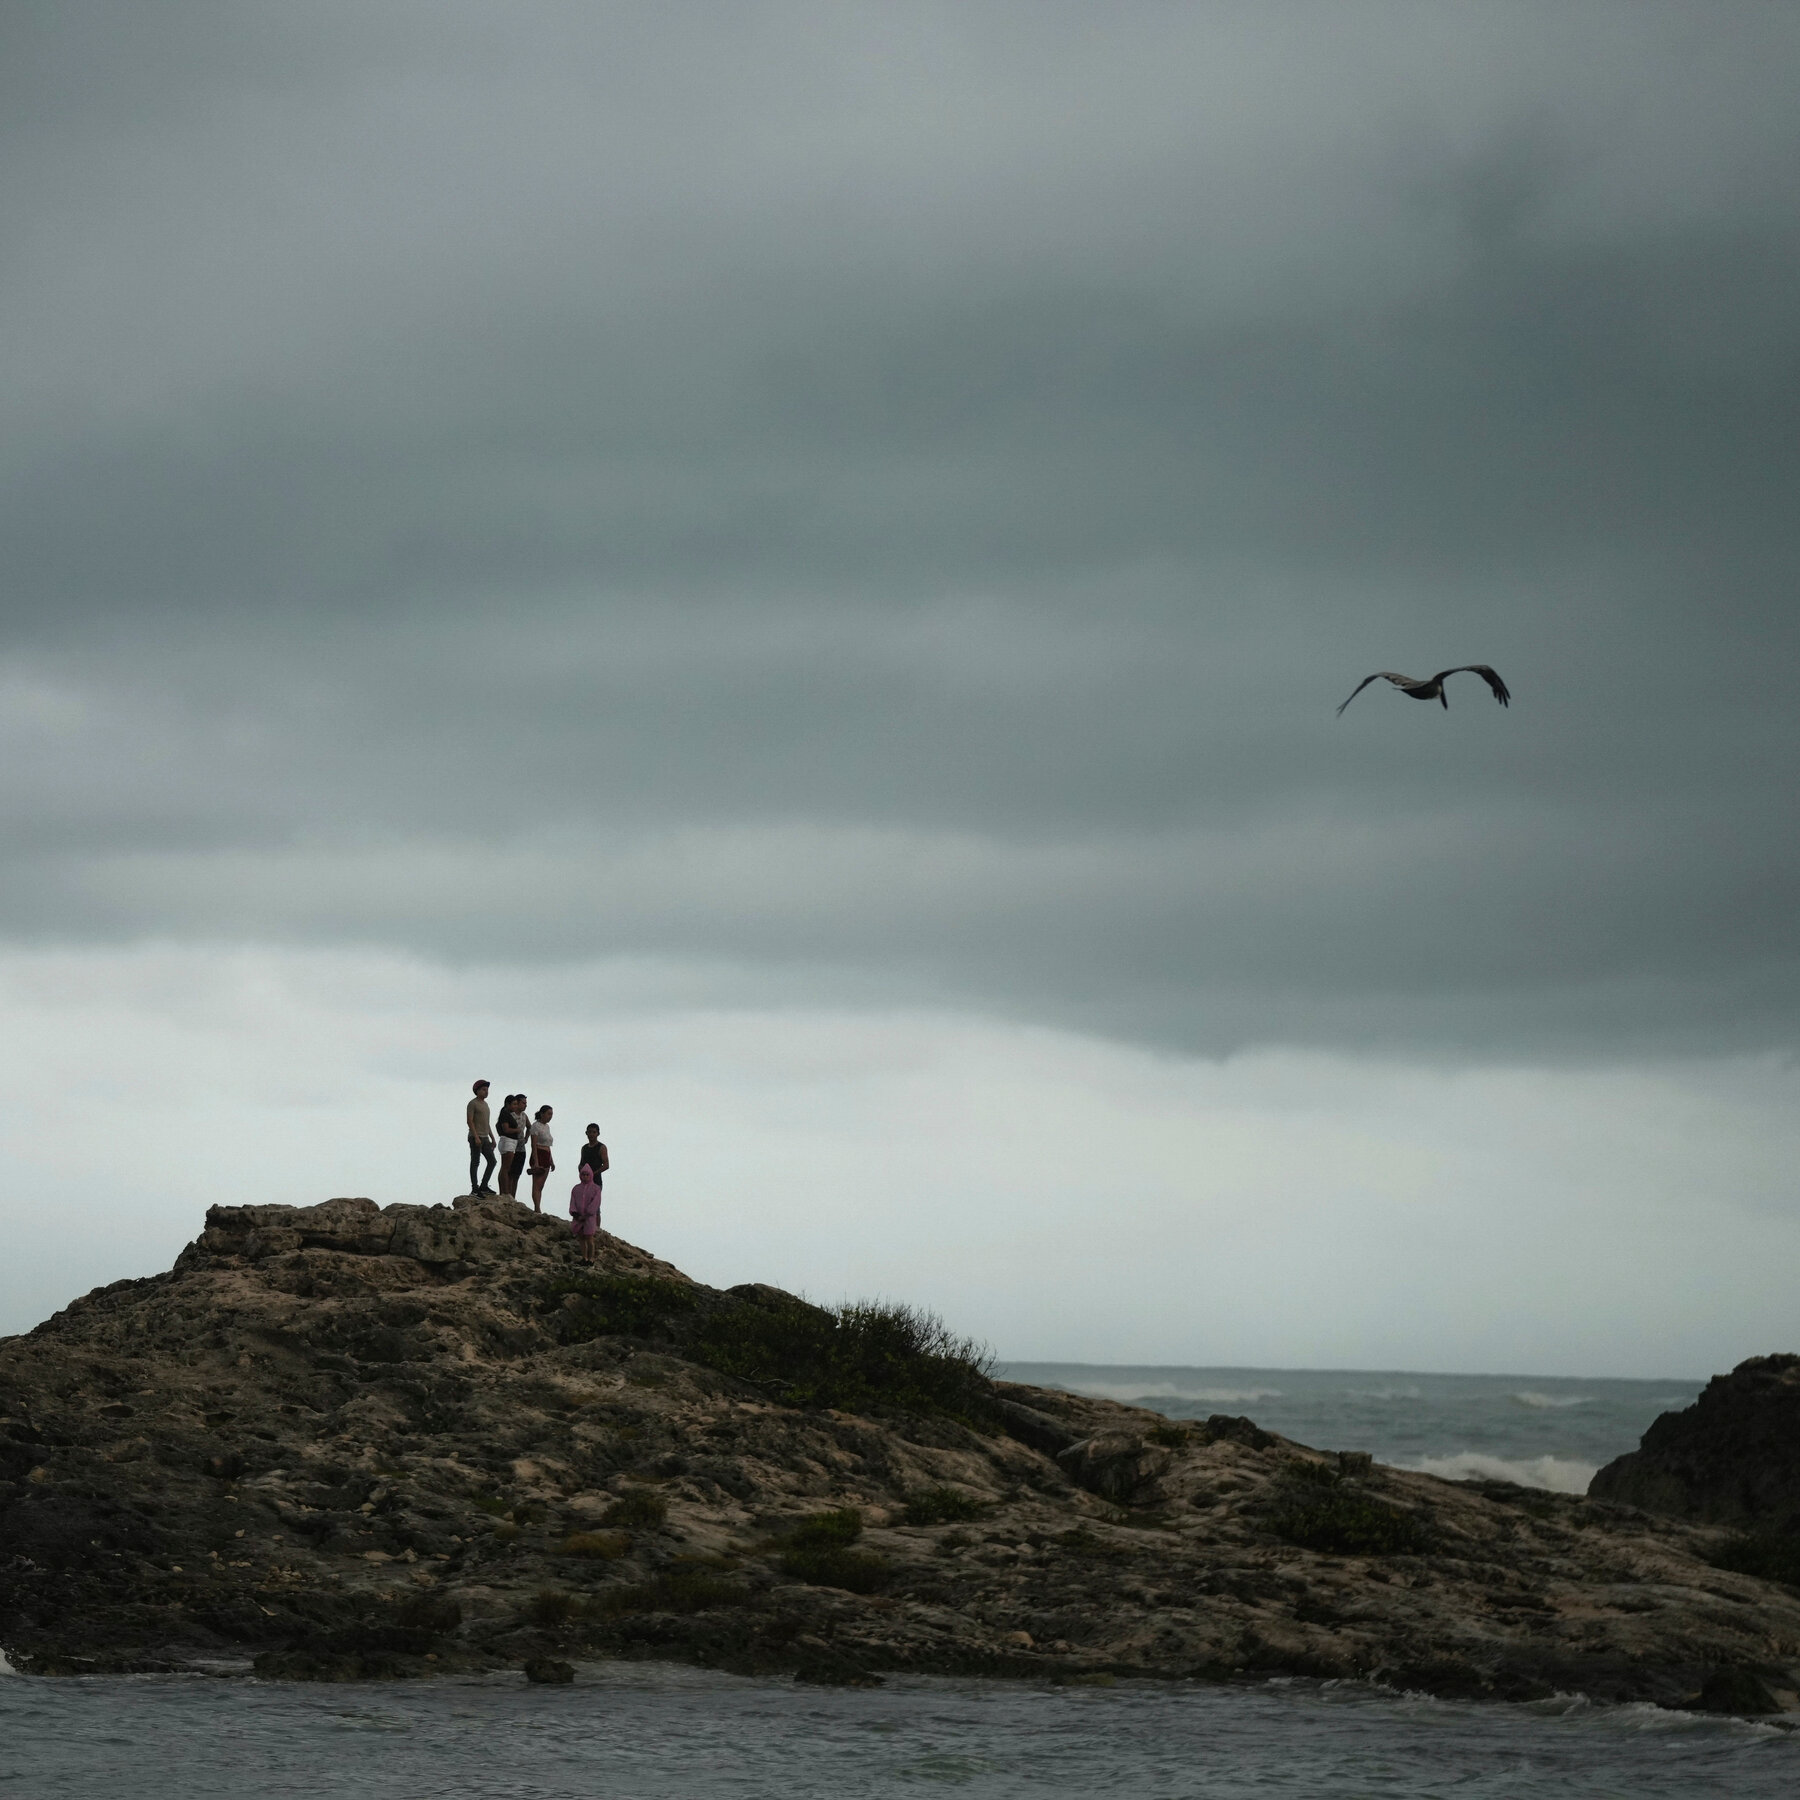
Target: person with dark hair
(481, 1140)
(512, 1125)
(542, 1162)
(592, 1155)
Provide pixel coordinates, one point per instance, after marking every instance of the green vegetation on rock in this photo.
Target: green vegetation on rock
(869, 1356)
(942, 1506)
(1316, 1509)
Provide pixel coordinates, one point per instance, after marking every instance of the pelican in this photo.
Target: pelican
(1434, 688)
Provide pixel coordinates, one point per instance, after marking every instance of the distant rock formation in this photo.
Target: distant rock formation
(348, 1441)
(1732, 1458)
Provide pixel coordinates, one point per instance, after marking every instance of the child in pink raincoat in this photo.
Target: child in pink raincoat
(584, 1212)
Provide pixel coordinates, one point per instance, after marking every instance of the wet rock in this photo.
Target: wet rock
(548, 1671)
(1732, 1458)
(1740, 1692)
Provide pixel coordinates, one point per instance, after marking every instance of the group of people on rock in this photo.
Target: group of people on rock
(521, 1135)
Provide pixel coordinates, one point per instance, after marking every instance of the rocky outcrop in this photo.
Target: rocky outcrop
(1732, 1458)
(349, 1441)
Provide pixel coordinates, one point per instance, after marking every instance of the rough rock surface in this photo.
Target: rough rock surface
(1732, 1458)
(349, 1441)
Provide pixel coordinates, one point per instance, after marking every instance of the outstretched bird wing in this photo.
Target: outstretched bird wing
(1501, 691)
(1379, 675)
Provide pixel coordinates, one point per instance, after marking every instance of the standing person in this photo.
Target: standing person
(481, 1139)
(512, 1127)
(593, 1155)
(584, 1212)
(542, 1162)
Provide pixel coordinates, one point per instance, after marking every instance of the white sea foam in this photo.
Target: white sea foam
(1168, 1390)
(1556, 1473)
(1385, 1393)
(1558, 1401)
(6, 1668)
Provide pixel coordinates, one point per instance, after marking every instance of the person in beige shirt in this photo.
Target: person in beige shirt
(481, 1140)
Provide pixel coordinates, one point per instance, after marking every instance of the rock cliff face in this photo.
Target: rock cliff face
(350, 1441)
(1732, 1458)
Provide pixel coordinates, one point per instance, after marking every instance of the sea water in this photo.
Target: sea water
(1539, 1430)
(644, 1731)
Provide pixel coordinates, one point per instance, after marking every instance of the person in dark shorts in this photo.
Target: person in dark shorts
(512, 1127)
(481, 1140)
(592, 1155)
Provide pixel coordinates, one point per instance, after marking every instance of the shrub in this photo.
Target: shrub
(825, 1530)
(1316, 1510)
(639, 1508)
(1170, 1436)
(602, 1546)
(584, 1307)
(550, 1607)
(1768, 1555)
(835, 1565)
(675, 1590)
(860, 1357)
(492, 1505)
(942, 1506)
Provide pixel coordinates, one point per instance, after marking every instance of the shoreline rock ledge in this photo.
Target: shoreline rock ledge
(346, 1441)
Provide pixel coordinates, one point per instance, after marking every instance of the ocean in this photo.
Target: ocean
(1539, 1430)
(642, 1731)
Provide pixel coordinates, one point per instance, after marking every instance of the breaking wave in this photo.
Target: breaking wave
(1168, 1390)
(1557, 1401)
(1557, 1474)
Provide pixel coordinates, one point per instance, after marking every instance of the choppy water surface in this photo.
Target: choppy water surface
(1542, 1431)
(644, 1731)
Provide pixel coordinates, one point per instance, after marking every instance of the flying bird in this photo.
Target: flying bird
(1434, 688)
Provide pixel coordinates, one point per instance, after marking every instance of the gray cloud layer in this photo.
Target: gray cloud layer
(888, 501)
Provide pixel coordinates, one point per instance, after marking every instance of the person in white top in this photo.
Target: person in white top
(542, 1162)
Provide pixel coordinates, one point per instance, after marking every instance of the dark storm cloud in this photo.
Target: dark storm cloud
(891, 500)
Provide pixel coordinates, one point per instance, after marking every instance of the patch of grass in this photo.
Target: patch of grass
(584, 1307)
(1171, 1436)
(825, 1530)
(675, 1590)
(551, 1607)
(638, 1509)
(942, 1506)
(1768, 1555)
(492, 1505)
(838, 1566)
(601, 1546)
(1315, 1509)
(863, 1357)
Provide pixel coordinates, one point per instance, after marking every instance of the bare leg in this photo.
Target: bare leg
(538, 1178)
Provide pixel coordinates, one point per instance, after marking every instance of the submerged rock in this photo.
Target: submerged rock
(353, 1442)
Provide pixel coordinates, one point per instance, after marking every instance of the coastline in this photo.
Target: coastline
(347, 1442)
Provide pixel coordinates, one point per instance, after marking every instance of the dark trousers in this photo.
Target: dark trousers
(476, 1153)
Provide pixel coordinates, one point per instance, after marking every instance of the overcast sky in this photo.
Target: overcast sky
(777, 576)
